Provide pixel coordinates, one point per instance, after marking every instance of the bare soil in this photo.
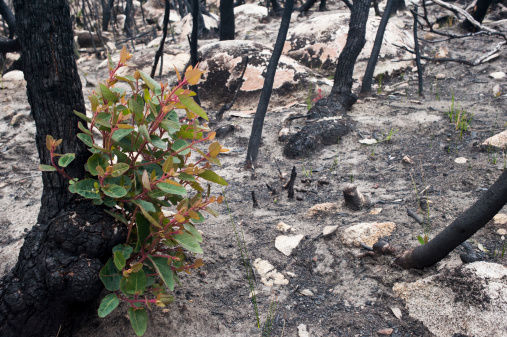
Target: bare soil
(352, 295)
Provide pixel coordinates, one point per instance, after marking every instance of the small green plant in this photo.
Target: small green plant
(424, 238)
(459, 117)
(387, 137)
(148, 166)
(306, 172)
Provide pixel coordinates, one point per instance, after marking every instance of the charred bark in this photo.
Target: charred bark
(196, 13)
(9, 46)
(478, 13)
(258, 123)
(469, 222)
(160, 50)
(227, 28)
(56, 275)
(129, 18)
(341, 97)
(372, 61)
(107, 7)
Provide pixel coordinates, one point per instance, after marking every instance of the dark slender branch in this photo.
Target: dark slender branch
(372, 61)
(290, 184)
(417, 54)
(415, 216)
(442, 59)
(348, 4)
(8, 16)
(229, 105)
(465, 225)
(193, 41)
(267, 88)
(160, 51)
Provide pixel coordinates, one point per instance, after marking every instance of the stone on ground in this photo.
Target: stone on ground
(469, 300)
(498, 141)
(286, 244)
(269, 275)
(367, 233)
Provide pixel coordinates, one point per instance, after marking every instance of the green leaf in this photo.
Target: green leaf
(421, 240)
(66, 159)
(119, 169)
(110, 276)
(125, 249)
(143, 230)
(120, 134)
(186, 177)
(104, 119)
(117, 216)
(193, 106)
(143, 130)
(148, 206)
(158, 142)
(188, 241)
(85, 139)
(172, 189)
(138, 320)
(107, 94)
(83, 128)
(136, 106)
(107, 305)
(114, 191)
(164, 270)
(134, 284)
(213, 177)
(96, 159)
(46, 168)
(86, 188)
(82, 116)
(151, 83)
(192, 230)
(180, 144)
(119, 260)
(170, 126)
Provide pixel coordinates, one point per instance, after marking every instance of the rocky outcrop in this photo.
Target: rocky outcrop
(318, 42)
(223, 62)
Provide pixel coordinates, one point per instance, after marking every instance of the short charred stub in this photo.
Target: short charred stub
(316, 135)
(57, 272)
(354, 199)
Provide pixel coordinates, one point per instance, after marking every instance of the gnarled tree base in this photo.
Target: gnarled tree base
(57, 273)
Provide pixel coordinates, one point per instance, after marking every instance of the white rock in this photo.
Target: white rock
(367, 233)
(500, 219)
(408, 160)
(250, 10)
(497, 75)
(446, 308)
(285, 244)
(282, 227)
(498, 141)
(440, 76)
(501, 231)
(291, 274)
(396, 312)
(269, 275)
(14, 75)
(460, 160)
(302, 331)
(375, 211)
(368, 141)
(328, 230)
(306, 292)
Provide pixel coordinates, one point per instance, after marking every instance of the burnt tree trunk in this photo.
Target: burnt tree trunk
(377, 45)
(129, 18)
(107, 7)
(194, 37)
(341, 97)
(469, 222)
(56, 275)
(160, 51)
(479, 12)
(227, 28)
(258, 122)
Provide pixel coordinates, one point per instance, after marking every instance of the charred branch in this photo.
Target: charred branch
(465, 225)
